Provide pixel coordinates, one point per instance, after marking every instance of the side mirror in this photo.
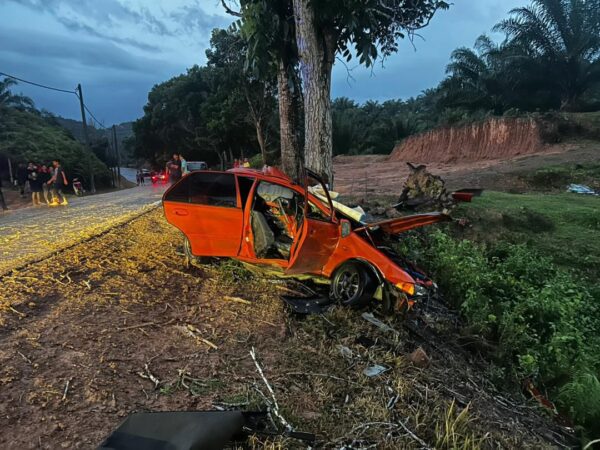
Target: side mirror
(346, 227)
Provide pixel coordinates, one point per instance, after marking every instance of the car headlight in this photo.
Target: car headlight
(409, 288)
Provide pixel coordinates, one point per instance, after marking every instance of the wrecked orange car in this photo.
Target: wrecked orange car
(263, 218)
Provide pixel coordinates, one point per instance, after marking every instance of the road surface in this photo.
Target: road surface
(30, 234)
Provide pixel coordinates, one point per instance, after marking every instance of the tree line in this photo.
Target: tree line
(265, 88)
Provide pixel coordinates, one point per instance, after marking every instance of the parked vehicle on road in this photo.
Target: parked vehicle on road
(160, 178)
(196, 165)
(263, 218)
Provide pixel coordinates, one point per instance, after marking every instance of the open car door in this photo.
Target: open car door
(205, 206)
(320, 231)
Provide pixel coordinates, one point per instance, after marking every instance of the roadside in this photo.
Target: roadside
(82, 331)
(29, 234)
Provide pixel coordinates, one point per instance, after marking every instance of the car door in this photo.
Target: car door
(320, 232)
(206, 207)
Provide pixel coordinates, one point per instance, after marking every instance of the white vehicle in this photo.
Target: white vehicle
(196, 165)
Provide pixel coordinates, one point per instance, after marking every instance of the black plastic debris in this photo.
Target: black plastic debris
(302, 305)
(193, 430)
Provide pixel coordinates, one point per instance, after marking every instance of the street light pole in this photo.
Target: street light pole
(87, 137)
(118, 155)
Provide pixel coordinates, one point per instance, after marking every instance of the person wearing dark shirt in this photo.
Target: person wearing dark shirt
(22, 178)
(2, 201)
(44, 176)
(174, 169)
(58, 182)
(35, 184)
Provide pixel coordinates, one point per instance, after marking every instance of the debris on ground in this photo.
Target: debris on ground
(581, 189)
(373, 371)
(424, 191)
(419, 358)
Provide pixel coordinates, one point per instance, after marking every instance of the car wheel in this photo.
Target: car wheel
(190, 258)
(353, 285)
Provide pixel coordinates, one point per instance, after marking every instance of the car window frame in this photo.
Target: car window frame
(188, 179)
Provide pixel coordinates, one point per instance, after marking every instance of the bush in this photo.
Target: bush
(545, 322)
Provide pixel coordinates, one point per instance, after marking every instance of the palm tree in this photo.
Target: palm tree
(559, 42)
(476, 80)
(10, 100)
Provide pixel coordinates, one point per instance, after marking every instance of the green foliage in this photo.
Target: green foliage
(544, 320)
(574, 222)
(27, 135)
(550, 59)
(208, 111)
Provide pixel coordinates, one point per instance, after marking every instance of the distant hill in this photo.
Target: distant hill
(124, 131)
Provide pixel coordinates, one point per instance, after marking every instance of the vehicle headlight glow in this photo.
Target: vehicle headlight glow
(409, 288)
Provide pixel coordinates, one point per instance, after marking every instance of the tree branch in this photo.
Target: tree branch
(228, 10)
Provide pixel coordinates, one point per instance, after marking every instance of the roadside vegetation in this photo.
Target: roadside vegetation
(524, 275)
(27, 134)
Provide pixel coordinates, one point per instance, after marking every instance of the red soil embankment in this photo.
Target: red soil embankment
(501, 138)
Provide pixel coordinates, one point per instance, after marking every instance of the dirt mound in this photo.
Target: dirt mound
(492, 139)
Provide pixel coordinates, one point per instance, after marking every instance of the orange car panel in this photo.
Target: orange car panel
(211, 230)
(355, 247)
(317, 243)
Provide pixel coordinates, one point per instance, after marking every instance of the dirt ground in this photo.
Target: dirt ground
(364, 176)
(82, 332)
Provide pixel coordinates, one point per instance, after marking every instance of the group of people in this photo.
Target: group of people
(239, 163)
(176, 167)
(48, 180)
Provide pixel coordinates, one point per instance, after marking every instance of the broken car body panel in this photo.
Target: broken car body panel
(263, 217)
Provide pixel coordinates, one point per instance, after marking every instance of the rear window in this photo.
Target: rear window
(215, 189)
(179, 192)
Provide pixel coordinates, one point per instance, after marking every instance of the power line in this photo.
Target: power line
(55, 89)
(36, 84)
(92, 115)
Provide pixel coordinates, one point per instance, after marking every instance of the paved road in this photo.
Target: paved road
(30, 234)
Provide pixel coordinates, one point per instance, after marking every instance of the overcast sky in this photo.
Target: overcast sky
(118, 49)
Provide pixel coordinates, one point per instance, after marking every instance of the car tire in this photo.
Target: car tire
(353, 284)
(190, 258)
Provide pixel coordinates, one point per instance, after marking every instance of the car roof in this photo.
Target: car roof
(265, 172)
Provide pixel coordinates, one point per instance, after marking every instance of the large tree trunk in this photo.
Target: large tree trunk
(291, 160)
(316, 51)
(260, 136)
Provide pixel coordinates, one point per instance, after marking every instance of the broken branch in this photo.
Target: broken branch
(273, 405)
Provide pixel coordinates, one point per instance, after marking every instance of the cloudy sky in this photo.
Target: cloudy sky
(118, 49)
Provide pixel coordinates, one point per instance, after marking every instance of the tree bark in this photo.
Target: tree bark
(291, 160)
(260, 136)
(316, 51)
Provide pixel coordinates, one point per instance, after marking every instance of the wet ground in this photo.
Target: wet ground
(30, 234)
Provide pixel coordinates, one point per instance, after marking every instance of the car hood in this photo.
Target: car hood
(402, 224)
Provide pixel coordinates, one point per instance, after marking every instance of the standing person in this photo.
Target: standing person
(22, 178)
(2, 201)
(246, 162)
(174, 169)
(137, 177)
(236, 163)
(58, 182)
(183, 163)
(44, 175)
(35, 184)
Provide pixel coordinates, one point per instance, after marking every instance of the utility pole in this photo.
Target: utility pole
(118, 156)
(87, 137)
